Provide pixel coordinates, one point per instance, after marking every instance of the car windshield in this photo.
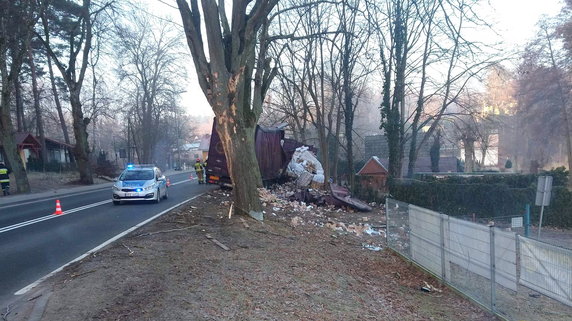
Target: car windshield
(137, 175)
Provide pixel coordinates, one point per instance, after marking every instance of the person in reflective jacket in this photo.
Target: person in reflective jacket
(199, 171)
(4, 179)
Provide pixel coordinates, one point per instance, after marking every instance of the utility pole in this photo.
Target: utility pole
(129, 140)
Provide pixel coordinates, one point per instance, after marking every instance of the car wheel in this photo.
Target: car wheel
(166, 196)
(158, 199)
(116, 202)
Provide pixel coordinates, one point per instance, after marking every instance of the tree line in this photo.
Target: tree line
(316, 65)
(107, 69)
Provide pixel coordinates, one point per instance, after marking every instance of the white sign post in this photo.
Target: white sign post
(543, 192)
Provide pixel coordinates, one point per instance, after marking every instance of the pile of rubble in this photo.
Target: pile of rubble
(300, 206)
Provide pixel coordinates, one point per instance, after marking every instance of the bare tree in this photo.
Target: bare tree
(148, 53)
(37, 108)
(234, 78)
(412, 36)
(77, 28)
(543, 94)
(17, 19)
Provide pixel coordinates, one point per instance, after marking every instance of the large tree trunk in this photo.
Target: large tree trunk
(20, 123)
(13, 159)
(81, 143)
(12, 50)
(469, 145)
(435, 153)
(37, 109)
(238, 143)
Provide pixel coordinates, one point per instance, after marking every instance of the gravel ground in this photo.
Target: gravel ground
(300, 264)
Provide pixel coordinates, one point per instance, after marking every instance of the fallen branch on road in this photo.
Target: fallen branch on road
(128, 249)
(165, 231)
(33, 298)
(80, 274)
(215, 241)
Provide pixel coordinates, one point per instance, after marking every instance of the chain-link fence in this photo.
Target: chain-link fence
(512, 276)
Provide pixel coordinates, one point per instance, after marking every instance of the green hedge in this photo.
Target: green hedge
(488, 196)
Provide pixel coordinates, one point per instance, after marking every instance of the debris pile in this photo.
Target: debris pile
(306, 167)
(302, 206)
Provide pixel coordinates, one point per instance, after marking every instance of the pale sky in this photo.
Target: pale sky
(515, 22)
(517, 19)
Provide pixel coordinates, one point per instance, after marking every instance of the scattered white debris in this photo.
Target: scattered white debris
(371, 247)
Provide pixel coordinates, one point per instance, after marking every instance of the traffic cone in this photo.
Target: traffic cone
(168, 182)
(58, 208)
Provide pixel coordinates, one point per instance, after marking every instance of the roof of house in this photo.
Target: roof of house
(372, 167)
(423, 165)
(57, 142)
(189, 147)
(26, 139)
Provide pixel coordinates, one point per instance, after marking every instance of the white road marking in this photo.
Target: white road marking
(52, 216)
(61, 196)
(102, 245)
(181, 182)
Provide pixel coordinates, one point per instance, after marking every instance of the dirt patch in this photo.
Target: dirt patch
(49, 181)
(282, 269)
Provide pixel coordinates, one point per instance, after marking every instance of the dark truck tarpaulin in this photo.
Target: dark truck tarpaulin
(271, 156)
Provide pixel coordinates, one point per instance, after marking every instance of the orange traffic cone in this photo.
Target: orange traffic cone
(58, 208)
(168, 182)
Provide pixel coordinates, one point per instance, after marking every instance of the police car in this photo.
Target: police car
(140, 183)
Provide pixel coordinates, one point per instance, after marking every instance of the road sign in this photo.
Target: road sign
(516, 222)
(543, 190)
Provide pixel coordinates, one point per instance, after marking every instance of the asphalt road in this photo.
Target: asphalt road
(34, 242)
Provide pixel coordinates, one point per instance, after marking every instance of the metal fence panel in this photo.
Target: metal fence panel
(461, 252)
(546, 269)
(469, 246)
(425, 238)
(505, 259)
(398, 226)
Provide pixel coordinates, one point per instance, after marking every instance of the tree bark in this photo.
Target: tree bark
(20, 121)
(37, 109)
(81, 149)
(227, 81)
(16, 21)
(60, 110)
(435, 153)
(469, 145)
(74, 77)
(238, 144)
(13, 159)
(57, 101)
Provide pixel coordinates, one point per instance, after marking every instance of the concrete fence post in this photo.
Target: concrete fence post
(493, 268)
(442, 221)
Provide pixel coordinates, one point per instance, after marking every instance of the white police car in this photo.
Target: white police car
(140, 183)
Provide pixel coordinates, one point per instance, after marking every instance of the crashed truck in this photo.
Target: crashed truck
(277, 158)
(273, 152)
